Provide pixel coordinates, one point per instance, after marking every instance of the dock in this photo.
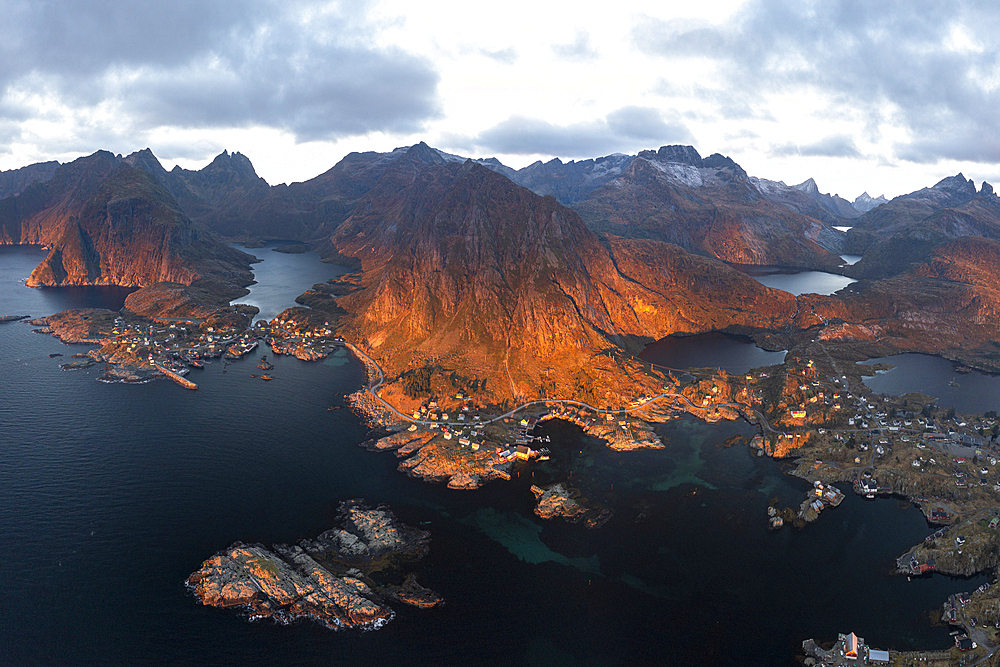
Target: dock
(187, 384)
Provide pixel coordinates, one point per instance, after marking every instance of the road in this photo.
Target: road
(372, 389)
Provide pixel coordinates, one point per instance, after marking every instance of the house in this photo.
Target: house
(851, 643)
(523, 452)
(798, 414)
(875, 655)
(964, 643)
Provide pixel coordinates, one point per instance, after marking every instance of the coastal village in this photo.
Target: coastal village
(813, 411)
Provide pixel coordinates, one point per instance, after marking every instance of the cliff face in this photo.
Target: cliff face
(38, 214)
(111, 224)
(16, 181)
(462, 264)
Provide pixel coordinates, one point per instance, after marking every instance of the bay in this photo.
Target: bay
(111, 495)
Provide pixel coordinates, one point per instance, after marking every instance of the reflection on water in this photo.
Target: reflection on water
(971, 392)
(796, 282)
(283, 276)
(16, 264)
(734, 354)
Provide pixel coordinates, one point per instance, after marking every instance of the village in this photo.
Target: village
(812, 412)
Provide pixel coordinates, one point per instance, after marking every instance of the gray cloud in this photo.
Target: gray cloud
(303, 66)
(835, 145)
(892, 62)
(578, 49)
(955, 143)
(626, 129)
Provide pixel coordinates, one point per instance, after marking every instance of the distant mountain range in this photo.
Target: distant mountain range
(532, 277)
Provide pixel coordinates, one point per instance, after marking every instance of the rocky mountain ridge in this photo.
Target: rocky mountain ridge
(15, 181)
(109, 223)
(906, 230)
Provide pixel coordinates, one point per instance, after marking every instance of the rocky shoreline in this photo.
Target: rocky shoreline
(327, 580)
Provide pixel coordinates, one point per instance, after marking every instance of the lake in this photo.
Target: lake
(734, 354)
(976, 393)
(111, 495)
(797, 282)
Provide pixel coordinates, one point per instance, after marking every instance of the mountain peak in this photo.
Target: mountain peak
(956, 183)
(234, 162)
(719, 161)
(808, 186)
(424, 153)
(675, 153)
(145, 159)
(865, 202)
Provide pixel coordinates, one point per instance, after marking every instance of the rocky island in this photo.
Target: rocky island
(328, 580)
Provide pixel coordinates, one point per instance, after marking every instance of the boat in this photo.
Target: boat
(266, 377)
(953, 383)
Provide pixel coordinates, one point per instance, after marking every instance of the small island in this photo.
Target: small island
(328, 580)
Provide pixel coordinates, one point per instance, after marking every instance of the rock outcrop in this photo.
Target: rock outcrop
(560, 500)
(325, 580)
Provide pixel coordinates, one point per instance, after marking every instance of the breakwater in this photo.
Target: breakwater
(187, 384)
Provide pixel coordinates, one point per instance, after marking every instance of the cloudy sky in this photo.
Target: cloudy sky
(884, 96)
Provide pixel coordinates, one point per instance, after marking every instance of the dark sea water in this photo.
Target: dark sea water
(110, 495)
(976, 392)
(797, 282)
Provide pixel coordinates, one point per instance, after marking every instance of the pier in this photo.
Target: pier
(187, 384)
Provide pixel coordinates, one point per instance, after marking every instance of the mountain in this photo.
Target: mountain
(907, 229)
(109, 223)
(15, 181)
(834, 204)
(707, 205)
(711, 207)
(463, 267)
(865, 202)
